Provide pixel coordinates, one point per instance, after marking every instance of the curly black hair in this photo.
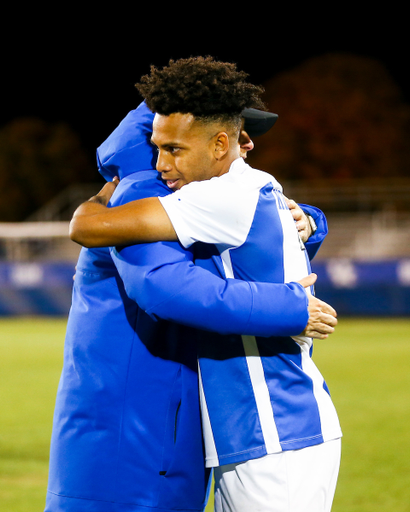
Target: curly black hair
(201, 86)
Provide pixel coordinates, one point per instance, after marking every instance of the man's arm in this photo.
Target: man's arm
(143, 220)
(164, 281)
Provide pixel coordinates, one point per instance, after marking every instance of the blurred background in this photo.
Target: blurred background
(342, 93)
(340, 84)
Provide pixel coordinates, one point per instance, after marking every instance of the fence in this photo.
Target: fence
(363, 265)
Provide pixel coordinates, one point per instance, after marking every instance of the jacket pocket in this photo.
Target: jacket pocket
(171, 423)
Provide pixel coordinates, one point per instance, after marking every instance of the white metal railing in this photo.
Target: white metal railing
(359, 196)
(367, 236)
(32, 241)
(363, 236)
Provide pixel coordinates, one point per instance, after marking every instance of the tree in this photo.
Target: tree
(341, 117)
(37, 161)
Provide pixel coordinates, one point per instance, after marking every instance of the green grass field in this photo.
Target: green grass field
(365, 364)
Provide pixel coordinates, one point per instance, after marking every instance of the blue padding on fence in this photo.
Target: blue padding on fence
(344, 273)
(351, 287)
(36, 288)
(360, 288)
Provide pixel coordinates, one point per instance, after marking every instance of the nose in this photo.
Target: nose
(245, 142)
(163, 162)
(248, 146)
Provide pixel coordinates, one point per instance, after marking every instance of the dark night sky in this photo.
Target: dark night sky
(82, 70)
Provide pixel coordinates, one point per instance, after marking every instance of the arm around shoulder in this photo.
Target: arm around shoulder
(165, 283)
(96, 225)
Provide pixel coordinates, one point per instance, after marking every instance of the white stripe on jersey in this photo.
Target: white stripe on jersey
(212, 458)
(294, 259)
(257, 376)
(327, 411)
(262, 396)
(227, 263)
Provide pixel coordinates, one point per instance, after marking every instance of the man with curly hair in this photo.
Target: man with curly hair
(271, 431)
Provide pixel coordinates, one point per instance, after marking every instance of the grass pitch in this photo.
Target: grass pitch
(365, 364)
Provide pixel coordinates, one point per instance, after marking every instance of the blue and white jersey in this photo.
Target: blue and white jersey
(258, 395)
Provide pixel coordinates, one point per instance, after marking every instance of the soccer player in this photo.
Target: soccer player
(271, 430)
(126, 431)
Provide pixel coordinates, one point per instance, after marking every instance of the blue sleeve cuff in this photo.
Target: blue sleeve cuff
(315, 241)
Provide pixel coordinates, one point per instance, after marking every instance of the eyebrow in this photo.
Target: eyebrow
(167, 144)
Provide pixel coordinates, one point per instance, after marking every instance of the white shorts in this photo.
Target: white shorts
(291, 481)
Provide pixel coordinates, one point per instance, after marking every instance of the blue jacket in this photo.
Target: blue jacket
(126, 431)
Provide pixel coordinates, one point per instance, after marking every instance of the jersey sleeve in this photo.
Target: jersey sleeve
(213, 212)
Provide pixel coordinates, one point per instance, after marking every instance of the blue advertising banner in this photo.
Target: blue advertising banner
(351, 287)
(364, 288)
(36, 288)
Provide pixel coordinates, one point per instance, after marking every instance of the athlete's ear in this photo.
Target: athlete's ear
(221, 147)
